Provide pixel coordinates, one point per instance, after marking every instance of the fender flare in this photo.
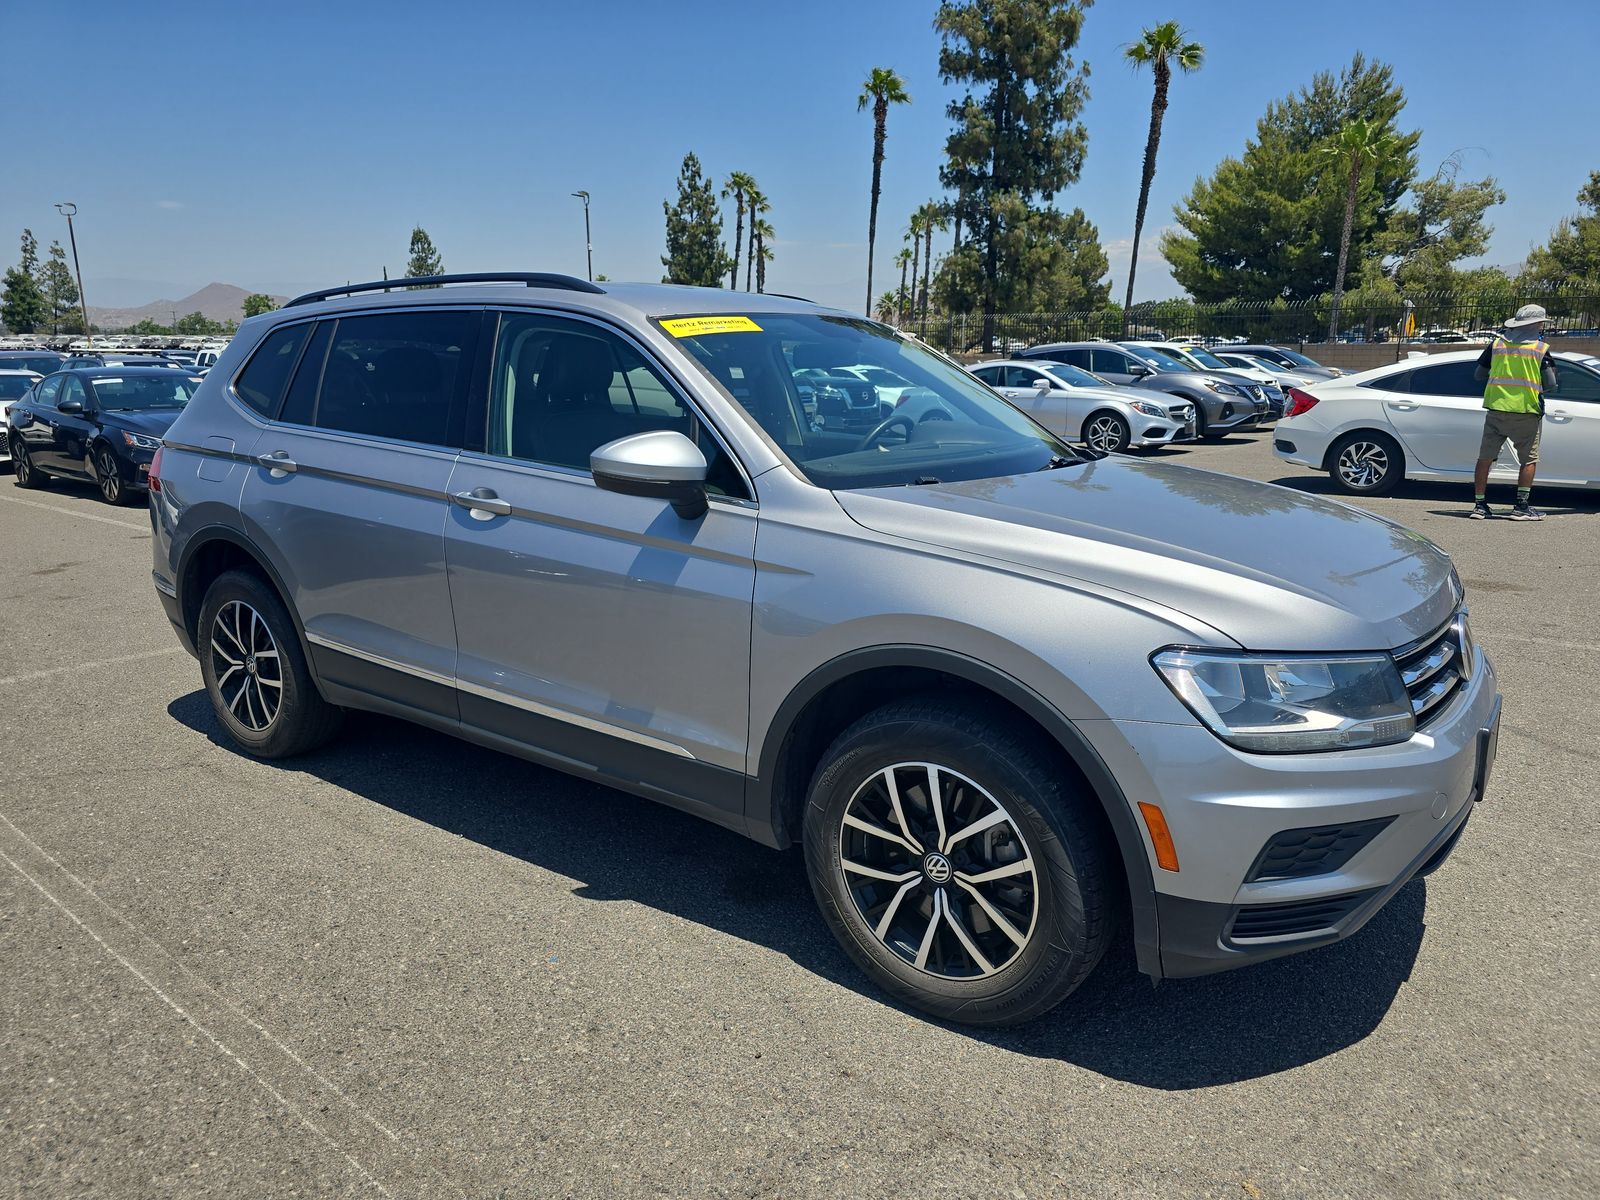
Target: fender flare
(767, 824)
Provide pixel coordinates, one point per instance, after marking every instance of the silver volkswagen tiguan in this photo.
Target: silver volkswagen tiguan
(1015, 700)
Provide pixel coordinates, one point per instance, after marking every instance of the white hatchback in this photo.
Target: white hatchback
(1422, 418)
(1072, 403)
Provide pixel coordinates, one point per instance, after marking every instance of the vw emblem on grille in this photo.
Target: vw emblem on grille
(937, 868)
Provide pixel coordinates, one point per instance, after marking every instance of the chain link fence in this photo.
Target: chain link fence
(1363, 319)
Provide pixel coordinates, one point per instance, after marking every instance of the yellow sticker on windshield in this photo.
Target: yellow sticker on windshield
(683, 327)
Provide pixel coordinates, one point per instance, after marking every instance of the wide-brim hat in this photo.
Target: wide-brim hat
(1528, 314)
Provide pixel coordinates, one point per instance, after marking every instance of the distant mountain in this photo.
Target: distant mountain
(217, 301)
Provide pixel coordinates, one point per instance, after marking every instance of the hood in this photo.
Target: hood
(153, 421)
(1267, 566)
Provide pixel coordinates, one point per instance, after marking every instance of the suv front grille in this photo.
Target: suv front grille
(1434, 667)
(1256, 921)
(1298, 853)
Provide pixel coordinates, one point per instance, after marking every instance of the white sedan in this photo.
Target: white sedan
(13, 386)
(1422, 418)
(1078, 406)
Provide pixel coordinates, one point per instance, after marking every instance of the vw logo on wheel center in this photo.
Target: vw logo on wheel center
(937, 868)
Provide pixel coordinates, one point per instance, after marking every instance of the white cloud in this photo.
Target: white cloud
(169, 204)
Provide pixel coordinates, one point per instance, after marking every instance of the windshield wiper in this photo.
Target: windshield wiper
(1061, 460)
(924, 479)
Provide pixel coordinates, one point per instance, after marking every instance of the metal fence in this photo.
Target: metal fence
(1362, 320)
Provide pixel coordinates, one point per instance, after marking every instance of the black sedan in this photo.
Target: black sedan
(101, 424)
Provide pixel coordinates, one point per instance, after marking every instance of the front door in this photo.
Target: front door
(347, 496)
(597, 628)
(67, 448)
(1054, 407)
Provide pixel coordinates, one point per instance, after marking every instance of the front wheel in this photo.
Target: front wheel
(958, 864)
(1106, 432)
(109, 477)
(1367, 463)
(256, 673)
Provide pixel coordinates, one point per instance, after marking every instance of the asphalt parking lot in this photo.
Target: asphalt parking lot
(405, 966)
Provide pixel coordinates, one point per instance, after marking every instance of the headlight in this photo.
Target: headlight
(140, 441)
(1149, 410)
(1227, 389)
(1290, 703)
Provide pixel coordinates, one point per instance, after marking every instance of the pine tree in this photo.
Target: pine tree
(425, 259)
(60, 292)
(1017, 135)
(695, 254)
(23, 308)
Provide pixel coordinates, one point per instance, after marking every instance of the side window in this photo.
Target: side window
(990, 375)
(1076, 358)
(49, 388)
(1574, 383)
(261, 383)
(300, 406)
(1112, 362)
(1021, 377)
(1446, 379)
(1400, 381)
(72, 389)
(561, 389)
(398, 375)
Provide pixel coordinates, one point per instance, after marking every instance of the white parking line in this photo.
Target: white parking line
(90, 666)
(72, 512)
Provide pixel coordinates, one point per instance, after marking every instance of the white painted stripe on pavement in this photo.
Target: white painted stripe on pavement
(90, 666)
(72, 512)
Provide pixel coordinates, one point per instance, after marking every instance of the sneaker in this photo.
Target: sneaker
(1481, 511)
(1526, 512)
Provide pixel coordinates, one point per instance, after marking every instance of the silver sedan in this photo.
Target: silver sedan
(1082, 407)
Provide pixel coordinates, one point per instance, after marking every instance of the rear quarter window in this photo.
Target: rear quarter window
(262, 382)
(1399, 381)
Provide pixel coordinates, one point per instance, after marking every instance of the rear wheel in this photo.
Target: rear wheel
(956, 863)
(1106, 431)
(22, 469)
(255, 672)
(1367, 463)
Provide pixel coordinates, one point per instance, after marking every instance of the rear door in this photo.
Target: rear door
(347, 496)
(1569, 451)
(599, 627)
(1439, 417)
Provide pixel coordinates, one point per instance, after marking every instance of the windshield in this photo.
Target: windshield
(943, 425)
(1156, 358)
(42, 363)
(1205, 358)
(12, 386)
(144, 391)
(1074, 376)
(1294, 356)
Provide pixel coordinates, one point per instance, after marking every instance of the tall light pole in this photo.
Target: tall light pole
(68, 211)
(588, 239)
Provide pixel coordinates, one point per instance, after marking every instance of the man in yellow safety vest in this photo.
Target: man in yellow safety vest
(1516, 372)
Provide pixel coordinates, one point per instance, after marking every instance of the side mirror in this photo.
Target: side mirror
(1140, 370)
(662, 464)
(1043, 385)
(71, 408)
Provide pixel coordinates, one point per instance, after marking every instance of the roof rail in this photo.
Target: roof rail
(533, 279)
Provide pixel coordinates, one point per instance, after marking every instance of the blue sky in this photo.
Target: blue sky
(288, 145)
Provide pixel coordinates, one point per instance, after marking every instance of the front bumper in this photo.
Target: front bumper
(1224, 808)
(1157, 431)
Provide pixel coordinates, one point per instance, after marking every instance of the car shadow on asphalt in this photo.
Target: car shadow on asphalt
(1182, 1034)
(1455, 499)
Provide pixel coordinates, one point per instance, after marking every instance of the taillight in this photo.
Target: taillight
(1300, 402)
(155, 471)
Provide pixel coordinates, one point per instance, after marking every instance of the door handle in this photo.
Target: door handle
(1559, 416)
(279, 463)
(482, 504)
(1403, 406)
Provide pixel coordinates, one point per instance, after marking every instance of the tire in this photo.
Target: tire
(108, 478)
(23, 473)
(1062, 906)
(243, 629)
(1366, 463)
(1106, 431)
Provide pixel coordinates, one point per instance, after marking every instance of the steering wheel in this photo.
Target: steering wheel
(883, 427)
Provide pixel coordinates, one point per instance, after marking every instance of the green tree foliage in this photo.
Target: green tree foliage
(197, 322)
(740, 184)
(1017, 136)
(148, 327)
(1054, 264)
(60, 292)
(695, 254)
(1357, 146)
(882, 88)
(1161, 48)
(1444, 222)
(1267, 225)
(425, 258)
(1571, 258)
(258, 303)
(23, 308)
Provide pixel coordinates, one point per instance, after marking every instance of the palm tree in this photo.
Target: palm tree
(761, 231)
(886, 306)
(904, 259)
(882, 88)
(739, 186)
(1161, 47)
(757, 204)
(1360, 142)
(914, 232)
(932, 215)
